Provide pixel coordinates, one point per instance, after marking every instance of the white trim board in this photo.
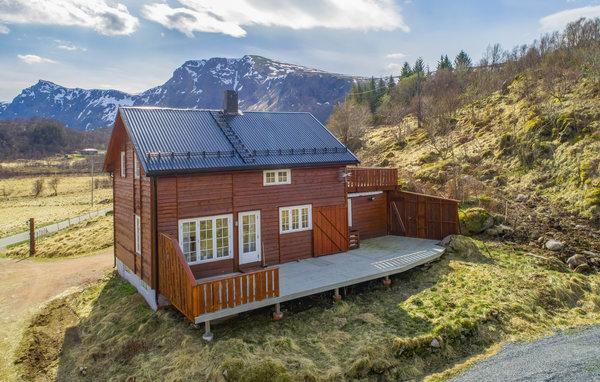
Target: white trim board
(358, 194)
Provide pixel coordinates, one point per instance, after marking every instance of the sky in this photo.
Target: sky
(135, 45)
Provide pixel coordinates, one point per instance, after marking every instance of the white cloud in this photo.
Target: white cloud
(66, 45)
(559, 20)
(34, 59)
(395, 56)
(229, 17)
(4, 29)
(105, 18)
(394, 67)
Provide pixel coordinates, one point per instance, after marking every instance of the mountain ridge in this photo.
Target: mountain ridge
(262, 84)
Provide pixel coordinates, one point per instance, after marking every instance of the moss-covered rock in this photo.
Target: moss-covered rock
(462, 246)
(474, 220)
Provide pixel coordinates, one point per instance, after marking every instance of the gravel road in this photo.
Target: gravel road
(572, 356)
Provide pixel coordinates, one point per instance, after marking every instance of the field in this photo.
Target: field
(434, 319)
(18, 203)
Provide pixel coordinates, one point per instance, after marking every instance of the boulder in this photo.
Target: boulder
(521, 198)
(462, 246)
(475, 220)
(576, 260)
(445, 241)
(554, 245)
(590, 254)
(499, 230)
(584, 268)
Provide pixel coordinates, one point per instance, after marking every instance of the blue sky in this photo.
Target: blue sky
(134, 45)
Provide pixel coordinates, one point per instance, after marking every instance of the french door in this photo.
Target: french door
(249, 236)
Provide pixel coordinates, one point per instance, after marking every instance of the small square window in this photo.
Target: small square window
(293, 219)
(274, 177)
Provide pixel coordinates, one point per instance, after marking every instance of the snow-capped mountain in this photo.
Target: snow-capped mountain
(3, 106)
(262, 84)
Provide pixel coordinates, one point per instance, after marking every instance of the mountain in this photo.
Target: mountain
(3, 106)
(262, 84)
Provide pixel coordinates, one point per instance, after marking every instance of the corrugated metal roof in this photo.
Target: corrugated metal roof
(186, 140)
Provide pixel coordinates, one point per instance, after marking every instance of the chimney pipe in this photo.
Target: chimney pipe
(230, 104)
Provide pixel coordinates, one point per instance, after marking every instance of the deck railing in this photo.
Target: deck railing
(194, 298)
(371, 179)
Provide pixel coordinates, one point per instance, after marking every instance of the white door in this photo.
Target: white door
(249, 236)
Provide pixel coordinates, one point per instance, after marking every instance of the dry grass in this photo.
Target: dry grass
(469, 303)
(80, 239)
(17, 203)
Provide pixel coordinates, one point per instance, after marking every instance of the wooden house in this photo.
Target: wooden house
(210, 204)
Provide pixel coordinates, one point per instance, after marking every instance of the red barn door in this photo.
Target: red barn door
(330, 229)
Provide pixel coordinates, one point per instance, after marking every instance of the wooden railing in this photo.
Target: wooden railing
(194, 298)
(371, 179)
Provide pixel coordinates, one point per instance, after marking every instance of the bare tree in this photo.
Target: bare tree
(53, 183)
(349, 121)
(38, 187)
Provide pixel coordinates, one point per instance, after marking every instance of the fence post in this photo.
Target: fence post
(31, 237)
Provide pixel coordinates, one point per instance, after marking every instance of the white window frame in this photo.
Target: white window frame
(136, 167)
(123, 164)
(138, 235)
(276, 182)
(289, 212)
(214, 237)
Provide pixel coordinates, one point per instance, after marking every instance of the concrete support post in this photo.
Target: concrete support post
(277, 315)
(207, 336)
(336, 295)
(387, 281)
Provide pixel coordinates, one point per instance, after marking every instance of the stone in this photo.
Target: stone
(590, 254)
(445, 241)
(583, 268)
(475, 220)
(435, 343)
(521, 198)
(499, 230)
(463, 246)
(554, 245)
(576, 260)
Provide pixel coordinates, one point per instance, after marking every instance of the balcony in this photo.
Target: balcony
(362, 179)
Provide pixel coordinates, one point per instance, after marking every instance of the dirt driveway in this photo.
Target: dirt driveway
(26, 284)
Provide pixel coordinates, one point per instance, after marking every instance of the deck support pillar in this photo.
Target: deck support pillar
(336, 294)
(277, 315)
(387, 281)
(207, 336)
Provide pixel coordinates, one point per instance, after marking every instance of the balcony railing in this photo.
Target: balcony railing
(371, 179)
(194, 298)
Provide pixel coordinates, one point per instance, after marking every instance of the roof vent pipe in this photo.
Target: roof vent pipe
(230, 103)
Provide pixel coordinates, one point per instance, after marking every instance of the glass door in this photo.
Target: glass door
(249, 236)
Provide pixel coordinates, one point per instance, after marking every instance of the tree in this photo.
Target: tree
(391, 84)
(53, 183)
(348, 122)
(38, 187)
(381, 90)
(444, 63)
(462, 62)
(372, 95)
(419, 67)
(406, 70)
(493, 56)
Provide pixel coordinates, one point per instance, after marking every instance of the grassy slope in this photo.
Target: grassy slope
(73, 199)
(467, 302)
(565, 172)
(80, 239)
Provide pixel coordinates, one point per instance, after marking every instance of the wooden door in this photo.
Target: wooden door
(330, 229)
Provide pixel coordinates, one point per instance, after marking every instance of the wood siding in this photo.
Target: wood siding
(370, 217)
(198, 195)
(330, 229)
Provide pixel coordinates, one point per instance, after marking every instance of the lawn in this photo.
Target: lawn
(431, 320)
(17, 203)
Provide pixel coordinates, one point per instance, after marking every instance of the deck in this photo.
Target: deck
(376, 258)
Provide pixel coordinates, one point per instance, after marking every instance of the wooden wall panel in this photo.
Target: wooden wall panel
(330, 229)
(370, 217)
(295, 246)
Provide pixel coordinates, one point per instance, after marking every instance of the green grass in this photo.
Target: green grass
(80, 239)
(469, 301)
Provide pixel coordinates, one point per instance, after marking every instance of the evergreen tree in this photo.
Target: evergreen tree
(381, 89)
(391, 84)
(372, 95)
(406, 70)
(419, 67)
(463, 61)
(444, 63)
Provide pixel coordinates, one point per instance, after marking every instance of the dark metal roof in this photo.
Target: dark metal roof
(186, 140)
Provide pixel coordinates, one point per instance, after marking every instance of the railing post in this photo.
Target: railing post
(31, 237)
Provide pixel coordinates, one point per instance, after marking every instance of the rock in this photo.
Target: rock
(474, 221)
(521, 198)
(581, 227)
(584, 268)
(445, 241)
(576, 260)
(435, 343)
(590, 254)
(554, 245)
(499, 230)
(463, 246)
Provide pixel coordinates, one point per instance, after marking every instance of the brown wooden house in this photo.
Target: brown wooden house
(209, 203)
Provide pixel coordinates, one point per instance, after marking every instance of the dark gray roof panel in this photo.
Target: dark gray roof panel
(185, 140)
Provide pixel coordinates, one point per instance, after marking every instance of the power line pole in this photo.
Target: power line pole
(92, 170)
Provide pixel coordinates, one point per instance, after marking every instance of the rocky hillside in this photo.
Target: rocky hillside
(263, 84)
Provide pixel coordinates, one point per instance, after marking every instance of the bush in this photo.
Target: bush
(474, 220)
(38, 187)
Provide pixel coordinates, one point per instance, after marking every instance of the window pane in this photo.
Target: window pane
(285, 220)
(189, 241)
(270, 177)
(305, 217)
(206, 239)
(222, 236)
(295, 218)
(282, 176)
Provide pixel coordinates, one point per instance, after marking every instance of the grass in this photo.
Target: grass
(469, 301)
(17, 204)
(80, 239)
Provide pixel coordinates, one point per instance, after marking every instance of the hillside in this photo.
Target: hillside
(263, 84)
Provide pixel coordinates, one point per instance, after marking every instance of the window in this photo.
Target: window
(138, 235)
(294, 219)
(206, 239)
(123, 163)
(274, 177)
(136, 167)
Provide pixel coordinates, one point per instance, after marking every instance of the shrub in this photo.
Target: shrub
(38, 187)
(53, 183)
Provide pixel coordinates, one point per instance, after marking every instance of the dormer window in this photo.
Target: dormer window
(275, 177)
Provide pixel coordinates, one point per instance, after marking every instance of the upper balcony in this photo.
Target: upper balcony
(363, 179)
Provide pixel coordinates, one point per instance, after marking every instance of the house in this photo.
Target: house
(212, 208)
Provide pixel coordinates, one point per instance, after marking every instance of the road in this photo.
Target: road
(51, 228)
(572, 356)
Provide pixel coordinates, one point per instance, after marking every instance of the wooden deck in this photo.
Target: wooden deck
(376, 258)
